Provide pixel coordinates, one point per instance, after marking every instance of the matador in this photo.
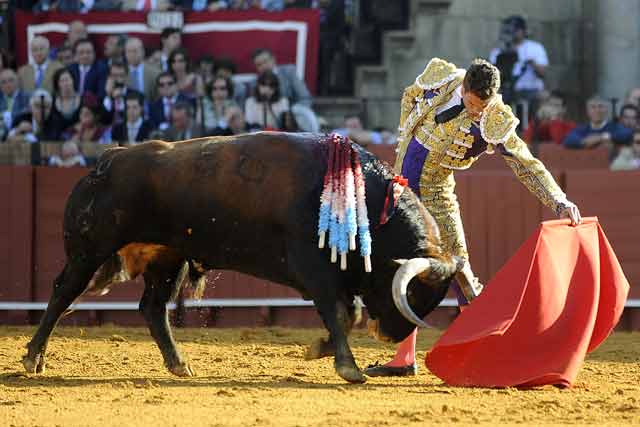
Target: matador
(449, 117)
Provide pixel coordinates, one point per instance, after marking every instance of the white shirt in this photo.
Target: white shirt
(132, 130)
(456, 99)
(528, 50)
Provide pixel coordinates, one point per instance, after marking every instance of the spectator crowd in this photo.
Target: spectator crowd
(126, 96)
(119, 93)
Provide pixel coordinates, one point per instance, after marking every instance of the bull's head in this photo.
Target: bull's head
(418, 286)
(407, 288)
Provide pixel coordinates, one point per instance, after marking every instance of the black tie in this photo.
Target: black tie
(449, 113)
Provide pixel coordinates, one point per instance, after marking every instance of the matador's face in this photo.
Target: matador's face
(474, 104)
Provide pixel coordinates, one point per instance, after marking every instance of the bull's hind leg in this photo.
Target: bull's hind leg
(68, 286)
(163, 279)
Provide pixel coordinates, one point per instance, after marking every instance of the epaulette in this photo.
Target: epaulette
(437, 73)
(498, 122)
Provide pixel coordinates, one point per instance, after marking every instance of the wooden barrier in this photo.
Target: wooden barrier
(557, 157)
(16, 232)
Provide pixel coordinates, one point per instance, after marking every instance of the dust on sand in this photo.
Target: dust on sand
(115, 376)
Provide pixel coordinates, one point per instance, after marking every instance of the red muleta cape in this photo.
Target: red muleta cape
(556, 299)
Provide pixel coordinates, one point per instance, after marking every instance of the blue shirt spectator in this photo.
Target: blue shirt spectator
(599, 130)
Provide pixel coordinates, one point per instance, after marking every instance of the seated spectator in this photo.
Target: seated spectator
(35, 125)
(628, 158)
(88, 128)
(354, 129)
(88, 74)
(142, 77)
(206, 69)
(70, 156)
(13, 101)
(134, 129)
(600, 131)
(182, 124)
(66, 102)
(267, 104)
(550, 123)
(236, 124)
(226, 69)
(116, 90)
(160, 110)
(38, 75)
(629, 117)
(64, 55)
(189, 83)
(170, 39)
(212, 110)
(291, 86)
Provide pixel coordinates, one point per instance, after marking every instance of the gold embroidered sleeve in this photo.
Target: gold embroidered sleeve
(408, 101)
(532, 173)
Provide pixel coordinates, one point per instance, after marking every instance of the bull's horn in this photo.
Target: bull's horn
(407, 271)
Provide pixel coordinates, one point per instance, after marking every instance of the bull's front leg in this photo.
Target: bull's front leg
(337, 318)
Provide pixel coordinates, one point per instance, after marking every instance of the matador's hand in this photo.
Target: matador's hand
(572, 212)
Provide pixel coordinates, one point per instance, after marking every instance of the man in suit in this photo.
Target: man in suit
(38, 75)
(13, 101)
(182, 124)
(291, 86)
(168, 96)
(142, 76)
(116, 90)
(134, 129)
(88, 74)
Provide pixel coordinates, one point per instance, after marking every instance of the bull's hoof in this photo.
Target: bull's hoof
(351, 374)
(34, 365)
(182, 370)
(319, 349)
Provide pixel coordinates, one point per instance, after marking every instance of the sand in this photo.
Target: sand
(257, 377)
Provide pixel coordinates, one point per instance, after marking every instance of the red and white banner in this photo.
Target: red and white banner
(292, 35)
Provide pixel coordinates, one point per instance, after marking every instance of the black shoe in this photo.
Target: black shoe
(378, 370)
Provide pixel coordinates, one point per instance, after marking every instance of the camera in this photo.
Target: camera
(118, 85)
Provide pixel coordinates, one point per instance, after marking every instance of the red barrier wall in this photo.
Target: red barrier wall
(498, 212)
(16, 228)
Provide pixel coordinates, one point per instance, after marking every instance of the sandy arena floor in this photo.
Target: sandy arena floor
(258, 377)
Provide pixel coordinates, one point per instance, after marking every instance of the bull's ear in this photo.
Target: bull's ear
(400, 261)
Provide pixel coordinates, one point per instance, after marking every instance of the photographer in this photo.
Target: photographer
(116, 90)
(521, 61)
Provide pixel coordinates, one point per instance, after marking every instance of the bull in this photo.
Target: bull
(249, 203)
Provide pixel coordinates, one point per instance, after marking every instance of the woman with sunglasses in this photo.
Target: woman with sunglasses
(266, 105)
(214, 106)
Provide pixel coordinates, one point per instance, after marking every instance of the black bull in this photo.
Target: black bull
(172, 211)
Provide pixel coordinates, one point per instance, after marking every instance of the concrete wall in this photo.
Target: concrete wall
(590, 43)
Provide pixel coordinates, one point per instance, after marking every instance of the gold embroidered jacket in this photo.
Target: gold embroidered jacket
(429, 152)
